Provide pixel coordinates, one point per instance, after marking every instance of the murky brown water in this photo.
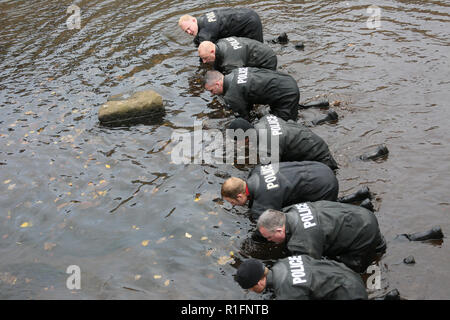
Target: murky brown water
(109, 200)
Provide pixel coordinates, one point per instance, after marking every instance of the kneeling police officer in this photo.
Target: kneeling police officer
(222, 23)
(279, 185)
(295, 141)
(302, 278)
(246, 86)
(235, 52)
(343, 232)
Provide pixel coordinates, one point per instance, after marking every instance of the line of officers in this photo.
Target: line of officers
(330, 240)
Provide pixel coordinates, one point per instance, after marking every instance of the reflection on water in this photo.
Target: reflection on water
(110, 200)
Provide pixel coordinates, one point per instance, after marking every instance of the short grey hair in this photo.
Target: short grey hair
(271, 219)
(212, 77)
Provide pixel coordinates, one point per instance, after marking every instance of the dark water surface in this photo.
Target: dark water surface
(140, 227)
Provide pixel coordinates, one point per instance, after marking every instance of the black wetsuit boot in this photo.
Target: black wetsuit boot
(331, 116)
(361, 194)
(367, 204)
(434, 234)
(318, 104)
(381, 151)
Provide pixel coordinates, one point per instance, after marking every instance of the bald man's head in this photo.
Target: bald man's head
(233, 191)
(207, 52)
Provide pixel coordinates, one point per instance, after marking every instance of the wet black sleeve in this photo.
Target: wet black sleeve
(300, 294)
(306, 244)
(204, 35)
(307, 236)
(258, 208)
(237, 104)
(208, 30)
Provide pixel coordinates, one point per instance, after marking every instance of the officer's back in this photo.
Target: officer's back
(279, 185)
(340, 231)
(295, 142)
(247, 86)
(235, 52)
(227, 22)
(304, 278)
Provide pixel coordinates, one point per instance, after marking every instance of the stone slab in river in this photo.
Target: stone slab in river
(139, 104)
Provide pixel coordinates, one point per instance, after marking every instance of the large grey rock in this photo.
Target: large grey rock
(126, 107)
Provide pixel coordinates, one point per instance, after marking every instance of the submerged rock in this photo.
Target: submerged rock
(409, 260)
(126, 107)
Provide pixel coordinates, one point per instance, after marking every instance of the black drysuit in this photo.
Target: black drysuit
(235, 52)
(244, 87)
(304, 278)
(343, 232)
(292, 183)
(223, 23)
(295, 142)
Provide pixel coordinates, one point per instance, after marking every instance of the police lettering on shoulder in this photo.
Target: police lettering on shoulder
(306, 215)
(269, 176)
(274, 125)
(242, 75)
(211, 17)
(234, 43)
(298, 271)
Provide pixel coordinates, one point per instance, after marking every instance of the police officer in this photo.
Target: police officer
(246, 86)
(295, 141)
(279, 185)
(343, 232)
(302, 277)
(234, 52)
(222, 23)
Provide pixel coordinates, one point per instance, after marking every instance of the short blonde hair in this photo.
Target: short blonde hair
(232, 187)
(184, 18)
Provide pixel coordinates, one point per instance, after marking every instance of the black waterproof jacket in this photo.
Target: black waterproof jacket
(235, 52)
(223, 23)
(279, 185)
(305, 278)
(343, 232)
(295, 142)
(244, 87)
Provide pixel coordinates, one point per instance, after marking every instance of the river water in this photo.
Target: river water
(111, 201)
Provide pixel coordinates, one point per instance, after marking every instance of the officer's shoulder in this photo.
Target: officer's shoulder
(288, 208)
(253, 172)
